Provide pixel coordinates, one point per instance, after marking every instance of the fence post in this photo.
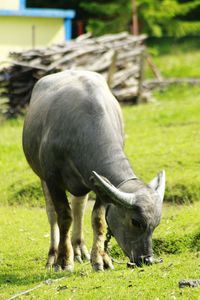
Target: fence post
(141, 77)
(112, 69)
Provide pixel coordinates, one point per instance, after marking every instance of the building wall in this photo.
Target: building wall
(9, 4)
(16, 33)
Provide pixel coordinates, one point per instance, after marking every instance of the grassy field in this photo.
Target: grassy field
(24, 245)
(175, 58)
(161, 135)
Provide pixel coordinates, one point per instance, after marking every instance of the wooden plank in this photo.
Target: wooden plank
(155, 83)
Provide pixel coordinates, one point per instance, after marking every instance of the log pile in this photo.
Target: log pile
(117, 57)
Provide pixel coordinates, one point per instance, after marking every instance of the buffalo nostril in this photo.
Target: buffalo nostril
(148, 260)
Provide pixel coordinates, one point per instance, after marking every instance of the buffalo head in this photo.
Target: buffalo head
(133, 216)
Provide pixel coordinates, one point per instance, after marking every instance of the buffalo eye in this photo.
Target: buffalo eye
(136, 223)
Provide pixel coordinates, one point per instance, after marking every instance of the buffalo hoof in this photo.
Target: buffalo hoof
(80, 251)
(52, 258)
(63, 264)
(68, 268)
(97, 267)
(50, 263)
(59, 263)
(101, 261)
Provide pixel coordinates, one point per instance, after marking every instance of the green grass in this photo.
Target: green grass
(18, 184)
(25, 236)
(175, 58)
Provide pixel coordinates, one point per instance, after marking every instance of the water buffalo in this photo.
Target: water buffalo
(73, 140)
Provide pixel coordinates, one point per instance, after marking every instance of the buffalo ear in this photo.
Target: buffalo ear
(158, 184)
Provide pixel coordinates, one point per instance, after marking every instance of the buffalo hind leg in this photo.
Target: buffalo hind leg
(99, 258)
(78, 205)
(65, 256)
(54, 229)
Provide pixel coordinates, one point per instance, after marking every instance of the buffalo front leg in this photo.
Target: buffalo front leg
(65, 256)
(78, 205)
(99, 258)
(54, 229)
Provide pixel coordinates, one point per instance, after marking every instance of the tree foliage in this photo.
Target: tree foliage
(156, 17)
(107, 16)
(168, 17)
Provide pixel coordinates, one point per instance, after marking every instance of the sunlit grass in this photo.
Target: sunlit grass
(24, 245)
(18, 184)
(175, 58)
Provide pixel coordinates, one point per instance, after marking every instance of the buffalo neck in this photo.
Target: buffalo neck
(115, 167)
(132, 186)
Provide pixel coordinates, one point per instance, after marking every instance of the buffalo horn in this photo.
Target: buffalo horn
(118, 197)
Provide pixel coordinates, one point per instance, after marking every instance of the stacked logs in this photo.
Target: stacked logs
(117, 57)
